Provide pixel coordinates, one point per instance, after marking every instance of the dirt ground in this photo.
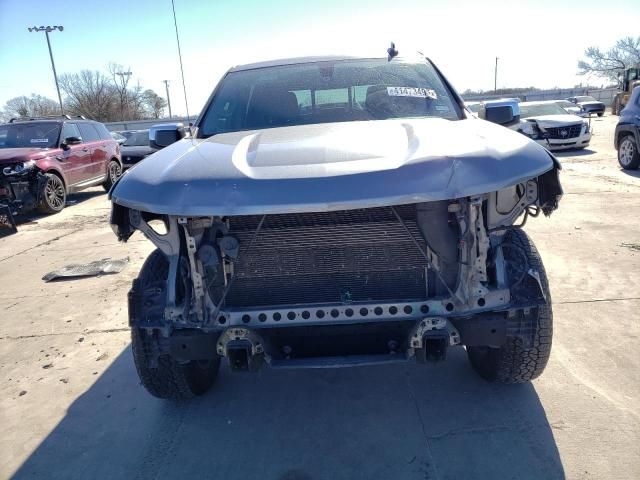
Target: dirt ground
(71, 406)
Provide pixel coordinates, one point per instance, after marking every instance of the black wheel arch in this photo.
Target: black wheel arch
(119, 160)
(58, 174)
(624, 130)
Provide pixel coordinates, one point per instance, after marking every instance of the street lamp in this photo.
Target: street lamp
(46, 31)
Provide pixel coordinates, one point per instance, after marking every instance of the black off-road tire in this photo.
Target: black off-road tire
(513, 362)
(168, 379)
(600, 114)
(114, 171)
(628, 154)
(52, 196)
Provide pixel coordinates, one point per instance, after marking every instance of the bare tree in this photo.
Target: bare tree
(154, 103)
(33, 106)
(121, 78)
(103, 97)
(611, 63)
(90, 93)
(136, 109)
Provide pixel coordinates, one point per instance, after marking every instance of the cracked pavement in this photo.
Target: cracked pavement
(71, 406)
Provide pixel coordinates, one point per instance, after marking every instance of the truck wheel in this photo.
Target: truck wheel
(114, 170)
(628, 155)
(513, 362)
(52, 195)
(600, 114)
(167, 378)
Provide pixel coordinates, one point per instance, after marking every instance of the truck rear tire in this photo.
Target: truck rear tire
(514, 362)
(114, 171)
(166, 377)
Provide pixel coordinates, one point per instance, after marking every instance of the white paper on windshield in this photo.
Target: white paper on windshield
(412, 92)
(39, 140)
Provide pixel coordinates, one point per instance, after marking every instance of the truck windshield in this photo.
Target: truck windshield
(327, 92)
(29, 135)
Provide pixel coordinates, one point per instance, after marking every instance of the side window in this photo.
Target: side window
(70, 130)
(304, 100)
(360, 96)
(89, 133)
(102, 130)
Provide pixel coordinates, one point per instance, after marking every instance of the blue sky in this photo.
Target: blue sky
(538, 42)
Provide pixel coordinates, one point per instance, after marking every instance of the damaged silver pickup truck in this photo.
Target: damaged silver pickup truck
(337, 211)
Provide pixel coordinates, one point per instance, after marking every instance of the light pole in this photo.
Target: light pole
(46, 31)
(166, 86)
(123, 92)
(495, 78)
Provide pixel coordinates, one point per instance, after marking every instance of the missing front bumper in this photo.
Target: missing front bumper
(7, 222)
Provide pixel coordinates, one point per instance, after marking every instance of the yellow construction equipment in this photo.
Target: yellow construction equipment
(630, 80)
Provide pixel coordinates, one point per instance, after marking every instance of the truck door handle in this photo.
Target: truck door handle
(85, 149)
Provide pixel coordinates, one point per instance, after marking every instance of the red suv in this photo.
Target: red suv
(44, 159)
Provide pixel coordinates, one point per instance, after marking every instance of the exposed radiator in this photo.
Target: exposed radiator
(344, 256)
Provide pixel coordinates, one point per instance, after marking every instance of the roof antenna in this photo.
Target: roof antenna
(184, 87)
(392, 52)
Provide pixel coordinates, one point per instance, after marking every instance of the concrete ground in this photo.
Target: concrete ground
(71, 406)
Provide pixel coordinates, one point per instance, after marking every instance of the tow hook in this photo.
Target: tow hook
(243, 348)
(431, 338)
(435, 346)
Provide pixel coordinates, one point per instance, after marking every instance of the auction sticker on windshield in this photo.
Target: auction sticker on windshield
(39, 140)
(412, 92)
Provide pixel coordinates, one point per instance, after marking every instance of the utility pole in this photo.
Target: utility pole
(495, 78)
(46, 31)
(166, 86)
(123, 92)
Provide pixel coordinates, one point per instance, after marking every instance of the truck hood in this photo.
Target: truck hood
(331, 166)
(546, 121)
(13, 155)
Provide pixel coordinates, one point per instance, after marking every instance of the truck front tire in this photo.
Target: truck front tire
(164, 377)
(514, 362)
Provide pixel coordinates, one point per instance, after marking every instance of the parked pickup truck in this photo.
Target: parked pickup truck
(337, 211)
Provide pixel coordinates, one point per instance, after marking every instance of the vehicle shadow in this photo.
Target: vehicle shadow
(574, 153)
(32, 217)
(631, 173)
(408, 422)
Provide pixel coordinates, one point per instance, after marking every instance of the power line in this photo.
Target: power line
(184, 88)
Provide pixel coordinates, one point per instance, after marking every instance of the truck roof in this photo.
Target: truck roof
(300, 60)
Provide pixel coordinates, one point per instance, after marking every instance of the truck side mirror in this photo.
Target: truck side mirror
(161, 136)
(503, 112)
